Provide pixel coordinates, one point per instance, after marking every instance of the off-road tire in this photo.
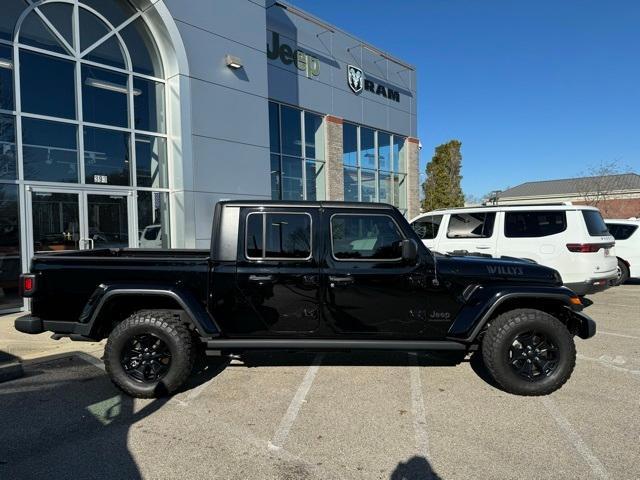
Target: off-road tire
(164, 325)
(502, 332)
(624, 273)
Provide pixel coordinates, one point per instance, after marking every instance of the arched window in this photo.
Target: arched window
(83, 105)
(90, 93)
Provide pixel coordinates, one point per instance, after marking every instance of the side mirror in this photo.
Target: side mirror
(409, 251)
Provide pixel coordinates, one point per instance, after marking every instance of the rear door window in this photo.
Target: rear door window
(278, 236)
(427, 227)
(534, 224)
(471, 225)
(595, 223)
(621, 231)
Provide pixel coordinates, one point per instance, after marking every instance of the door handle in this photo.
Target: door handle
(261, 278)
(340, 280)
(483, 247)
(89, 241)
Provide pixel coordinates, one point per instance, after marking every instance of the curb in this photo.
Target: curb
(10, 368)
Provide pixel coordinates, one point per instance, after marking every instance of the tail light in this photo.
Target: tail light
(588, 247)
(27, 285)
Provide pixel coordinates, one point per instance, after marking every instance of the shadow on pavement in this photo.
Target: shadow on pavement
(347, 359)
(64, 419)
(416, 468)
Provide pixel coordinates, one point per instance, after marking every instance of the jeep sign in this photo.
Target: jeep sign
(287, 55)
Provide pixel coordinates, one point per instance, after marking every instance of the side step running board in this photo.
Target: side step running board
(311, 344)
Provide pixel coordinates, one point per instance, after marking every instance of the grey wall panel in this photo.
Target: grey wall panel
(229, 114)
(231, 168)
(400, 122)
(283, 85)
(347, 105)
(207, 61)
(315, 96)
(243, 21)
(375, 115)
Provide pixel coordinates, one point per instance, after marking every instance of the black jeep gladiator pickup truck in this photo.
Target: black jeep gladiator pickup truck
(305, 276)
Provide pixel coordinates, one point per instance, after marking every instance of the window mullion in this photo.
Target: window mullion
(358, 164)
(79, 112)
(18, 108)
(133, 172)
(303, 153)
(55, 32)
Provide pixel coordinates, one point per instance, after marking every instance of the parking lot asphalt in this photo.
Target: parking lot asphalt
(338, 416)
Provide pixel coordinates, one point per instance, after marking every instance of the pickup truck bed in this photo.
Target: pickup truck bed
(74, 276)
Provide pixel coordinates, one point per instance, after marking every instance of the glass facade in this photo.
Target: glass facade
(297, 141)
(374, 166)
(83, 131)
(10, 258)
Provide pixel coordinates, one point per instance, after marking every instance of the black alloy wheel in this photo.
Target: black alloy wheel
(533, 356)
(528, 352)
(150, 354)
(146, 358)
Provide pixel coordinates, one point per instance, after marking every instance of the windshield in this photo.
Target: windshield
(595, 223)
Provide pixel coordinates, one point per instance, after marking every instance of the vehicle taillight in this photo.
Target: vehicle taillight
(27, 285)
(587, 247)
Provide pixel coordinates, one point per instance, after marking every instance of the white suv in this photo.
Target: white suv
(572, 239)
(627, 235)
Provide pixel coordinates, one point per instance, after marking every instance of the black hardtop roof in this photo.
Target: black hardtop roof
(304, 204)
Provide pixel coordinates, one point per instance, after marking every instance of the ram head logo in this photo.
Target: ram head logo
(355, 75)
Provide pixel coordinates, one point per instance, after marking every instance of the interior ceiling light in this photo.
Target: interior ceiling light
(112, 87)
(4, 63)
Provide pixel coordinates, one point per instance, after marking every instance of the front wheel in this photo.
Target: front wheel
(528, 352)
(149, 354)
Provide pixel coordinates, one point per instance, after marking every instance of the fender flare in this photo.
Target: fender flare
(475, 325)
(196, 313)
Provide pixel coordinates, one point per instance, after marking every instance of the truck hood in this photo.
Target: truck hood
(490, 270)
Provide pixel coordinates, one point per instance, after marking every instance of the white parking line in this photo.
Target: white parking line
(417, 405)
(294, 407)
(607, 304)
(596, 466)
(606, 361)
(618, 335)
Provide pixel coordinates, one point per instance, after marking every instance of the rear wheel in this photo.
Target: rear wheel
(623, 273)
(149, 354)
(528, 352)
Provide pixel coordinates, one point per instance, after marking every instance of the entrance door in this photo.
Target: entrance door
(107, 221)
(55, 221)
(78, 220)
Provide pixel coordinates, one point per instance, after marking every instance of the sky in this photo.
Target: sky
(534, 90)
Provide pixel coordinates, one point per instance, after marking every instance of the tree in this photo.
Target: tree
(442, 186)
(595, 186)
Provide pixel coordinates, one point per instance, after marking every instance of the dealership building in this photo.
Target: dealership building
(123, 122)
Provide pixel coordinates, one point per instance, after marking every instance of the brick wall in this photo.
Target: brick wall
(617, 207)
(335, 170)
(413, 177)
